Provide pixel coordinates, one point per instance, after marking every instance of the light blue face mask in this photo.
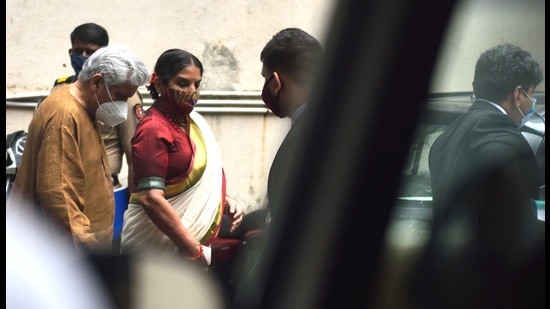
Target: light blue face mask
(531, 111)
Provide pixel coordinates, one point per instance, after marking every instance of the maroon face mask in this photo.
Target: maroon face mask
(182, 103)
(272, 102)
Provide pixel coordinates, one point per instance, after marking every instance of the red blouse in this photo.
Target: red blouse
(161, 149)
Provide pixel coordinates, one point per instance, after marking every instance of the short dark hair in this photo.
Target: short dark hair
(90, 33)
(501, 69)
(171, 62)
(293, 51)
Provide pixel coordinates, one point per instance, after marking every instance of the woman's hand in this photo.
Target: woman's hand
(234, 213)
(203, 256)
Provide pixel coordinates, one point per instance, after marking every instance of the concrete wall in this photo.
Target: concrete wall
(228, 37)
(478, 25)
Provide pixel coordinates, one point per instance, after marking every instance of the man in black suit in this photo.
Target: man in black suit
(288, 61)
(482, 160)
(487, 246)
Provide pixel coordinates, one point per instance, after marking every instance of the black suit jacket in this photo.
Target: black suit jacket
(483, 170)
(282, 172)
(486, 247)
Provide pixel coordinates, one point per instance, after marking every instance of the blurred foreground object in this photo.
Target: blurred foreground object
(44, 271)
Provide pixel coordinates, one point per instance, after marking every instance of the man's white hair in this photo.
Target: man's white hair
(117, 65)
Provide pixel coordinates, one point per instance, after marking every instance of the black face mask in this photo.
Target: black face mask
(272, 102)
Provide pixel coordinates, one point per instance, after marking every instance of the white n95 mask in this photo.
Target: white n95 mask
(111, 113)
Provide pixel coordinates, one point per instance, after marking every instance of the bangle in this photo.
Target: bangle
(194, 258)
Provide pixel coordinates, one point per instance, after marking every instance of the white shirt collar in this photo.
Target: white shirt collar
(495, 105)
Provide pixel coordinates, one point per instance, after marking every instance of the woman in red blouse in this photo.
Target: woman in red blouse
(179, 185)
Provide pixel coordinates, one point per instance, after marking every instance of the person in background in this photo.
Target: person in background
(289, 60)
(487, 246)
(85, 40)
(64, 173)
(179, 192)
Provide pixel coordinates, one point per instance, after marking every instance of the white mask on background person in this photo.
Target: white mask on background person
(111, 113)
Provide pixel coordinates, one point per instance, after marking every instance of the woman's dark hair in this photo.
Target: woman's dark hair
(90, 33)
(170, 63)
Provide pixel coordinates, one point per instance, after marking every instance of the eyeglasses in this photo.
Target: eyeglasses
(533, 99)
(81, 51)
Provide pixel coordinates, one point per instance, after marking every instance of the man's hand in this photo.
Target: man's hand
(234, 213)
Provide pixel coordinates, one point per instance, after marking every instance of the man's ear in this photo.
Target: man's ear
(277, 82)
(96, 81)
(516, 96)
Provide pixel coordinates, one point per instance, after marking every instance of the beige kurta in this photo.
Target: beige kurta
(117, 140)
(65, 171)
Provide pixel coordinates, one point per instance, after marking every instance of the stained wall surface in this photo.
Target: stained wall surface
(226, 35)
